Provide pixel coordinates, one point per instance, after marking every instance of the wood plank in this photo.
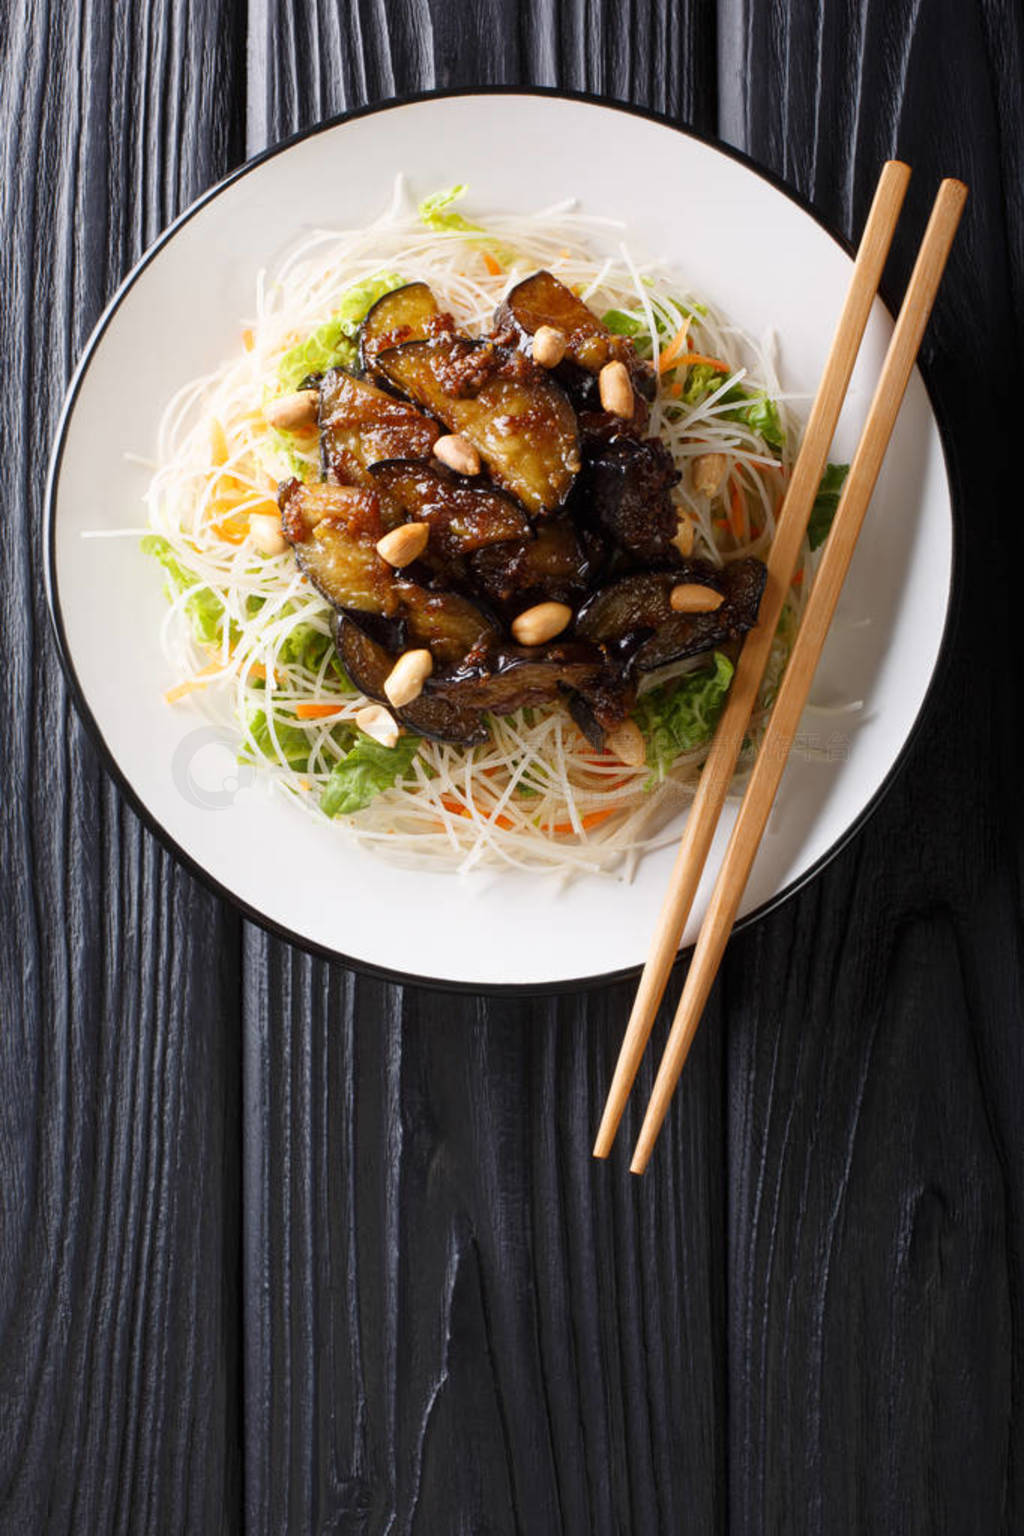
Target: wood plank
(119, 1169)
(874, 1058)
(463, 1322)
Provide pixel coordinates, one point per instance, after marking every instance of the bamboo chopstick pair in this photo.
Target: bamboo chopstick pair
(719, 767)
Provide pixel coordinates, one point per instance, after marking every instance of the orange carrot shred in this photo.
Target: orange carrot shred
(685, 359)
(248, 341)
(457, 808)
(315, 711)
(493, 267)
(592, 819)
(200, 680)
(674, 347)
(737, 510)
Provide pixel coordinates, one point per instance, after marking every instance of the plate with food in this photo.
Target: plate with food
(401, 540)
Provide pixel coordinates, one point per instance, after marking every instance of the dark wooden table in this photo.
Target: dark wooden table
(289, 1249)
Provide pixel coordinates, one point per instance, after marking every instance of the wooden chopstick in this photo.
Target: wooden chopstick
(796, 682)
(720, 765)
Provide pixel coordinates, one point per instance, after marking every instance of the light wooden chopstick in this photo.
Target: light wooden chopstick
(720, 765)
(796, 682)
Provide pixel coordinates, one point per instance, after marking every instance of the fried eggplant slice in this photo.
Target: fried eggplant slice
(633, 617)
(623, 490)
(519, 677)
(334, 530)
(404, 314)
(368, 663)
(463, 515)
(543, 300)
(602, 705)
(518, 419)
(452, 628)
(360, 425)
(555, 565)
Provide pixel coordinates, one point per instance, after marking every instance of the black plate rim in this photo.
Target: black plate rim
(280, 930)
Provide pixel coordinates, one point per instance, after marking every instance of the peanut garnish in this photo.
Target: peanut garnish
(694, 597)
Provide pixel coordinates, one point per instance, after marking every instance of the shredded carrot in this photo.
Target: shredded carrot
(798, 579)
(258, 670)
(737, 511)
(230, 531)
(218, 442)
(315, 711)
(674, 347)
(493, 267)
(200, 680)
(458, 809)
(686, 359)
(592, 819)
(248, 341)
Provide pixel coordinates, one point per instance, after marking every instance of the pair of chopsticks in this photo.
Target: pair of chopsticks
(720, 765)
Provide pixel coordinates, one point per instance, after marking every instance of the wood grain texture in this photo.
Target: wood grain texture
(119, 1163)
(874, 1049)
(257, 1211)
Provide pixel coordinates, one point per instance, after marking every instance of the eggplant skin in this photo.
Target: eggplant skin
(633, 618)
(623, 490)
(519, 420)
(520, 677)
(556, 564)
(367, 662)
(463, 515)
(360, 425)
(404, 314)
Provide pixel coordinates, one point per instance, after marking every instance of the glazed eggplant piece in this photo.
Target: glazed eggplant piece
(542, 299)
(519, 677)
(602, 705)
(463, 515)
(555, 565)
(633, 618)
(517, 418)
(368, 663)
(451, 627)
(404, 314)
(360, 425)
(623, 490)
(334, 530)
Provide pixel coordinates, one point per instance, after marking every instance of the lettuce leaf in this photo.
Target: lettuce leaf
(204, 607)
(293, 741)
(432, 210)
(305, 646)
(826, 503)
(761, 415)
(332, 344)
(682, 714)
(364, 772)
(620, 323)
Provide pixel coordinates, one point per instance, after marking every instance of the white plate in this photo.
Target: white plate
(735, 236)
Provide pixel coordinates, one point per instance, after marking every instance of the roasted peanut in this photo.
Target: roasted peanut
(380, 723)
(405, 680)
(542, 622)
(626, 742)
(693, 597)
(458, 454)
(548, 346)
(404, 544)
(290, 412)
(709, 472)
(683, 540)
(265, 528)
(616, 389)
